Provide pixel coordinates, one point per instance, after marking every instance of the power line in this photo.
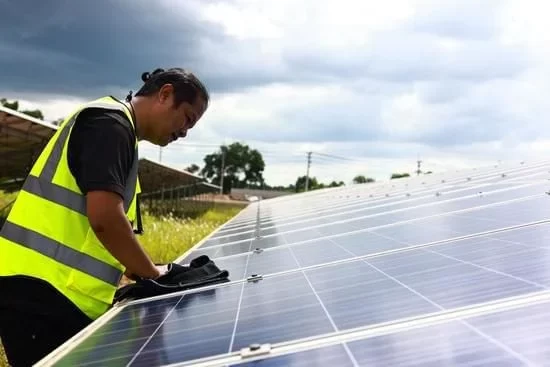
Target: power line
(333, 156)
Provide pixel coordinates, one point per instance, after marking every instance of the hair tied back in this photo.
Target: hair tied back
(147, 75)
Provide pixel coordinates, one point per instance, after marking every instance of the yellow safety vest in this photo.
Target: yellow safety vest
(47, 234)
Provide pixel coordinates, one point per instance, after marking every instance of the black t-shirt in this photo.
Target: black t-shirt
(100, 154)
(101, 151)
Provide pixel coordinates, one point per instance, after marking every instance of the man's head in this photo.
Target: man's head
(169, 104)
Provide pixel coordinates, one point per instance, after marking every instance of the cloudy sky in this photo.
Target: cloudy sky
(380, 83)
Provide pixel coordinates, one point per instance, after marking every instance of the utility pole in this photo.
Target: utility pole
(160, 154)
(418, 163)
(308, 164)
(222, 171)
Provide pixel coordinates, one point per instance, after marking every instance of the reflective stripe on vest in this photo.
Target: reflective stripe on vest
(43, 187)
(61, 253)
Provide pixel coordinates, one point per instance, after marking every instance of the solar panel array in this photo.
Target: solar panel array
(439, 269)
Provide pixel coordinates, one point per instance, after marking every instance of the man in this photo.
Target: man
(70, 235)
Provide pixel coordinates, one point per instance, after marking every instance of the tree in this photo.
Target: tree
(242, 166)
(34, 113)
(301, 184)
(12, 105)
(15, 106)
(360, 179)
(336, 184)
(399, 175)
(192, 168)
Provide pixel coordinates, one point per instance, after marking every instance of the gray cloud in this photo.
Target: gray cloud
(90, 48)
(82, 48)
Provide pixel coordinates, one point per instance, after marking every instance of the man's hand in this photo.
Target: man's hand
(163, 269)
(106, 215)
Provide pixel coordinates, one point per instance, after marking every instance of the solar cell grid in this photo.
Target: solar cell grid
(477, 340)
(377, 278)
(384, 215)
(358, 209)
(432, 228)
(326, 208)
(296, 305)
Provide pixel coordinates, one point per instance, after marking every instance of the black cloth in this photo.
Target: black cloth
(100, 154)
(201, 271)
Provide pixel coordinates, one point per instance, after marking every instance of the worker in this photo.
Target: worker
(71, 233)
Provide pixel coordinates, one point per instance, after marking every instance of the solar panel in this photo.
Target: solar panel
(452, 272)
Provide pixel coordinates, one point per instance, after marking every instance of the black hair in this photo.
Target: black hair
(186, 85)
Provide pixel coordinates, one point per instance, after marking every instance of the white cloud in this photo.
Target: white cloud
(52, 107)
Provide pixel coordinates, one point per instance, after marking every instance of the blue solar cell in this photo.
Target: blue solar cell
(273, 261)
(235, 265)
(270, 231)
(364, 243)
(229, 239)
(475, 221)
(119, 340)
(235, 230)
(319, 252)
(235, 249)
(523, 330)
(451, 344)
(267, 242)
(478, 248)
(535, 236)
(531, 265)
(279, 309)
(348, 298)
(460, 285)
(411, 262)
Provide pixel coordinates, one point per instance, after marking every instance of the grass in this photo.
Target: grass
(3, 359)
(167, 237)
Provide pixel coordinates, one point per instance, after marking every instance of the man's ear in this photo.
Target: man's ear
(165, 93)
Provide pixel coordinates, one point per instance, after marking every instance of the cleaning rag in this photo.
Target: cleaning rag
(200, 272)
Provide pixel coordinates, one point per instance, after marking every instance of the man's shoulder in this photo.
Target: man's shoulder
(102, 118)
(101, 112)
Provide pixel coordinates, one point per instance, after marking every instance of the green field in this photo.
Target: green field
(166, 238)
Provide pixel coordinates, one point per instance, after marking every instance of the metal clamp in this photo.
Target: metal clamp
(255, 350)
(255, 277)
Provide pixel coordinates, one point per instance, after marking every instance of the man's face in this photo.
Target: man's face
(174, 122)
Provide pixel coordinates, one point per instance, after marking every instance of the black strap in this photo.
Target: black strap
(139, 229)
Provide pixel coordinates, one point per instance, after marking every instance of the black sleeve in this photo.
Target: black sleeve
(101, 151)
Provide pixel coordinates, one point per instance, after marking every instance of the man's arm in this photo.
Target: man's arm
(101, 152)
(108, 221)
